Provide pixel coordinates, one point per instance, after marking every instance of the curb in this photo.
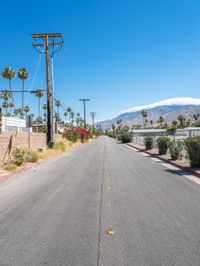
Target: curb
(186, 169)
(26, 167)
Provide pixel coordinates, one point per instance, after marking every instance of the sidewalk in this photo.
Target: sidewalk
(182, 164)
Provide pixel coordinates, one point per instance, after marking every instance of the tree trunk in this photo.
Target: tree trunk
(11, 94)
(22, 98)
(38, 106)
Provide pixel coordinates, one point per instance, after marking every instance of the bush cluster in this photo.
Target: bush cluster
(148, 142)
(20, 156)
(175, 149)
(192, 145)
(125, 137)
(75, 134)
(163, 144)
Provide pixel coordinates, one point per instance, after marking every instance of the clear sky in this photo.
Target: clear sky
(118, 53)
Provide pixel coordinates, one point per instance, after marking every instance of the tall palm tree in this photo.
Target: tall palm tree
(11, 105)
(58, 104)
(144, 116)
(69, 110)
(6, 95)
(151, 122)
(26, 109)
(39, 93)
(161, 120)
(9, 74)
(65, 114)
(72, 118)
(182, 120)
(6, 106)
(81, 122)
(23, 75)
(195, 117)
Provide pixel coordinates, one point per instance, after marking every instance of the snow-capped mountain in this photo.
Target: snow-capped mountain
(169, 109)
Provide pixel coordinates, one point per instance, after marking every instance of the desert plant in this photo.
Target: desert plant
(126, 137)
(19, 156)
(162, 144)
(60, 145)
(10, 167)
(192, 146)
(31, 156)
(175, 149)
(148, 142)
(72, 136)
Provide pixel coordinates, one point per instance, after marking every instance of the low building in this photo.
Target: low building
(14, 124)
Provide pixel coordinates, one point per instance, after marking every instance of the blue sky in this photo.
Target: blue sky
(118, 53)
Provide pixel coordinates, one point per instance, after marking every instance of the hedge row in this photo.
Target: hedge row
(191, 145)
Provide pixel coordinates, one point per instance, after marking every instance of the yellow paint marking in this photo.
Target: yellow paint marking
(109, 188)
(110, 232)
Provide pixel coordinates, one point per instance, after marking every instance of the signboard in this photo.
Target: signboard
(29, 121)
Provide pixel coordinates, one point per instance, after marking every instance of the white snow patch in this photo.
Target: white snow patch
(173, 101)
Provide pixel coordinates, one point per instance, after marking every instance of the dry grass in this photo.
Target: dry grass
(10, 167)
(60, 147)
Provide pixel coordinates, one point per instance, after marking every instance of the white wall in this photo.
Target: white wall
(14, 124)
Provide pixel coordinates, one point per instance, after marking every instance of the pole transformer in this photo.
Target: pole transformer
(93, 114)
(84, 109)
(48, 43)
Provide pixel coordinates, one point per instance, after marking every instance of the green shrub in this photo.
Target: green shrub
(72, 136)
(10, 167)
(31, 156)
(162, 144)
(148, 142)
(126, 137)
(192, 145)
(19, 156)
(60, 145)
(175, 149)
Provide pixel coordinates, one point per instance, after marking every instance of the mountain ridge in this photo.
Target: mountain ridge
(169, 109)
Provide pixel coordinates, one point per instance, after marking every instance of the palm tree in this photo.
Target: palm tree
(113, 127)
(161, 120)
(182, 120)
(58, 104)
(65, 114)
(27, 109)
(23, 75)
(195, 118)
(151, 122)
(9, 74)
(72, 118)
(69, 110)
(39, 93)
(81, 122)
(144, 115)
(6, 106)
(11, 105)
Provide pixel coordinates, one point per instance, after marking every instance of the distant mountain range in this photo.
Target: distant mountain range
(170, 109)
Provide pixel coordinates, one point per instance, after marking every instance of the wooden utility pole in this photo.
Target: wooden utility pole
(93, 114)
(49, 43)
(84, 109)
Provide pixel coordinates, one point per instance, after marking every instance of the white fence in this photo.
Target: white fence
(179, 134)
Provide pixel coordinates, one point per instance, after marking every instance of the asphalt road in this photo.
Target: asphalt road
(58, 213)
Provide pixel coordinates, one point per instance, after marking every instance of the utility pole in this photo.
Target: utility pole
(48, 43)
(84, 109)
(93, 114)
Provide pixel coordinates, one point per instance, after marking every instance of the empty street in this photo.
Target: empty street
(101, 204)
